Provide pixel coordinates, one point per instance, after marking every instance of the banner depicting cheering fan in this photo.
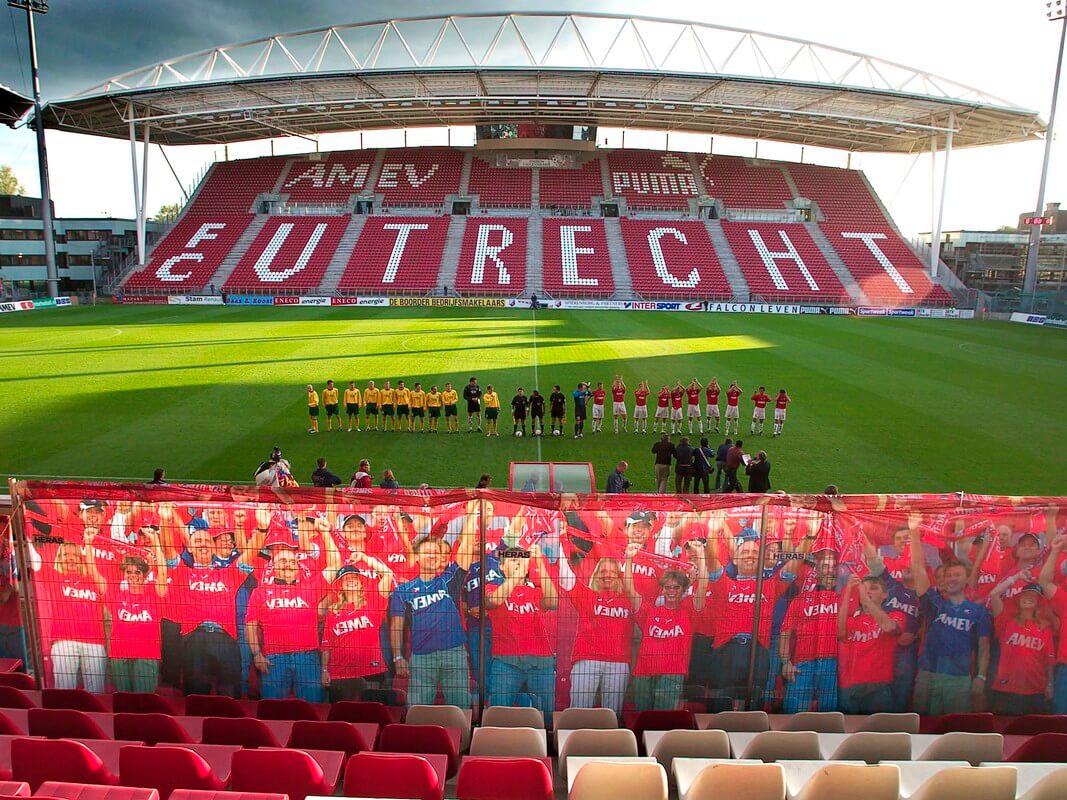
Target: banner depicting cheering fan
(784, 602)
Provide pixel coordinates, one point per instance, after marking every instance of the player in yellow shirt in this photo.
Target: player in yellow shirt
(352, 403)
(388, 407)
(449, 398)
(403, 407)
(434, 402)
(491, 401)
(418, 408)
(372, 396)
(329, 399)
(313, 409)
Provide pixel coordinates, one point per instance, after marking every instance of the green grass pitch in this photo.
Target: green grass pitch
(880, 405)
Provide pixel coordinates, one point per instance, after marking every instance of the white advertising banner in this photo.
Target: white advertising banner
(755, 308)
(195, 300)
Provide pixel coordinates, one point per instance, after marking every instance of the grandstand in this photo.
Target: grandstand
(279, 226)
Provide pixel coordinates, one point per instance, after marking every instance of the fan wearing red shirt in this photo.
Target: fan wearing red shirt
(282, 627)
(666, 632)
(663, 401)
(134, 640)
(759, 412)
(807, 644)
(868, 637)
(522, 652)
(76, 592)
(735, 605)
(692, 395)
(599, 396)
(781, 401)
(604, 637)
(618, 403)
(1023, 682)
(677, 395)
(352, 659)
(204, 603)
(641, 407)
(1057, 596)
(711, 402)
(733, 410)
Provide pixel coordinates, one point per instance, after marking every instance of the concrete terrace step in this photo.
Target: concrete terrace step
(738, 284)
(339, 263)
(620, 268)
(446, 276)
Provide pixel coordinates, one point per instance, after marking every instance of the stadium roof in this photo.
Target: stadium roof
(582, 69)
(13, 106)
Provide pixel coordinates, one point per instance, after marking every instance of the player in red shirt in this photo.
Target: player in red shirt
(641, 407)
(599, 396)
(352, 659)
(663, 401)
(282, 628)
(1023, 683)
(807, 644)
(733, 411)
(780, 402)
(692, 393)
(666, 632)
(521, 650)
(868, 637)
(618, 403)
(711, 402)
(677, 395)
(759, 413)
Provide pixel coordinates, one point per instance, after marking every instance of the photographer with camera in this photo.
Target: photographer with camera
(617, 482)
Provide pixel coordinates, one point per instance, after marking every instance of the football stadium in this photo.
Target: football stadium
(527, 464)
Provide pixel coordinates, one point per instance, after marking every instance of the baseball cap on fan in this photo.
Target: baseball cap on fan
(85, 505)
(646, 517)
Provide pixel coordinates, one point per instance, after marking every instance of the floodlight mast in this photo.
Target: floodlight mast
(1054, 10)
(41, 7)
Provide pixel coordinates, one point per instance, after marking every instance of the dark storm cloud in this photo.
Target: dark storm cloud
(84, 43)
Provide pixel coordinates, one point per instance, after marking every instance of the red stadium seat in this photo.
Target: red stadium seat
(290, 708)
(89, 791)
(965, 723)
(396, 254)
(293, 772)
(165, 769)
(360, 711)
(202, 794)
(782, 262)
(1045, 747)
(38, 760)
(315, 735)
(1035, 724)
(500, 187)
(76, 699)
(662, 720)
(245, 731)
(60, 723)
(420, 176)
(17, 680)
(652, 179)
(290, 254)
(504, 779)
(333, 179)
(10, 697)
(10, 665)
(740, 183)
(213, 705)
(391, 775)
(233, 186)
(576, 261)
(142, 703)
(493, 256)
(571, 188)
(14, 789)
(150, 729)
(420, 739)
(673, 259)
(8, 726)
(189, 255)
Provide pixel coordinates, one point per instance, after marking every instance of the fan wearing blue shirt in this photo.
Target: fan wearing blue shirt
(956, 630)
(429, 607)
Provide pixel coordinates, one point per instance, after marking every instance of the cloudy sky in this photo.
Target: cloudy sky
(1004, 47)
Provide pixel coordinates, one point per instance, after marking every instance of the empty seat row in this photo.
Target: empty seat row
(288, 254)
(673, 258)
(500, 187)
(651, 179)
